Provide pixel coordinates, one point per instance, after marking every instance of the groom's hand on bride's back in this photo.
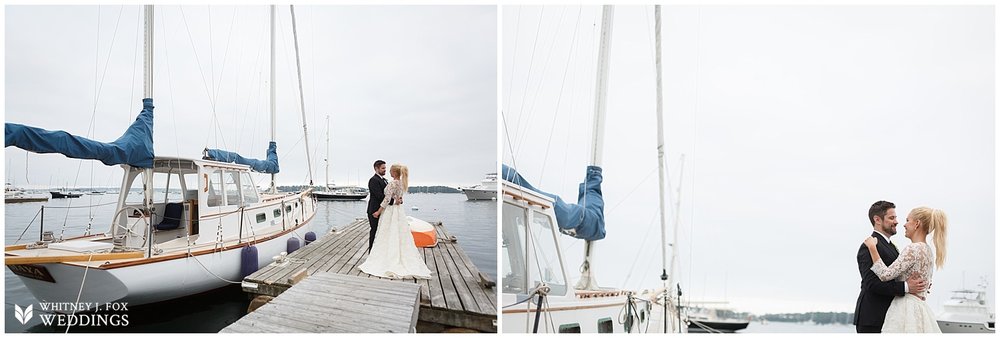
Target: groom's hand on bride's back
(916, 285)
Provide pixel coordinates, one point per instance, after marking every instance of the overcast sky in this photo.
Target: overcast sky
(794, 120)
(409, 84)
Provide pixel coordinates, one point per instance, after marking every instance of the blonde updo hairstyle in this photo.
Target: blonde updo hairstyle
(936, 224)
(404, 174)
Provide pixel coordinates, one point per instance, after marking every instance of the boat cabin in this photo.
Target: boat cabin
(531, 252)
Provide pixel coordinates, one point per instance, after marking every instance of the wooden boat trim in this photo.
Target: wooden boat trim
(20, 260)
(25, 246)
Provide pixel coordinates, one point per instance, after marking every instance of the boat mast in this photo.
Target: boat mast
(327, 152)
(147, 92)
(273, 118)
(147, 60)
(587, 280)
(302, 102)
(661, 168)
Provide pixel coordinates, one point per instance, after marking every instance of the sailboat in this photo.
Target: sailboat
(217, 230)
(537, 294)
(337, 193)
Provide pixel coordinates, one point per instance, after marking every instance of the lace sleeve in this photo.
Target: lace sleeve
(907, 258)
(393, 190)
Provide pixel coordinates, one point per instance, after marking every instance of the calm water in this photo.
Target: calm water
(780, 327)
(473, 222)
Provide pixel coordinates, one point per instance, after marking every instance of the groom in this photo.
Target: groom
(376, 193)
(876, 295)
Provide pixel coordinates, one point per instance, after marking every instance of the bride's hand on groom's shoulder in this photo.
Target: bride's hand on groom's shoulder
(870, 241)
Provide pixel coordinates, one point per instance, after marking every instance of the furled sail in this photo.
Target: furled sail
(268, 166)
(584, 220)
(134, 148)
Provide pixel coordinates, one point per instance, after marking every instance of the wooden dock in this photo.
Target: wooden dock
(458, 295)
(331, 303)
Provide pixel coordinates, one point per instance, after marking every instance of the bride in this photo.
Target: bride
(393, 254)
(910, 313)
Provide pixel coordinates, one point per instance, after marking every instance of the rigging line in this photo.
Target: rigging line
(82, 282)
(100, 84)
(170, 84)
(510, 147)
(513, 66)
(623, 199)
(26, 153)
(211, 57)
(642, 246)
(541, 80)
(246, 108)
(26, 227)
(97, 57)
(527, 76)
(562, 85)
(135, 58)
(201, 70)
(225, 54)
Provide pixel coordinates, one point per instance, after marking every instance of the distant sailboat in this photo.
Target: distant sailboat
(337, 193)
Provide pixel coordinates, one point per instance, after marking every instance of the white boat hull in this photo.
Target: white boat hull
(479, 194)
(964, 327)
(147, 283)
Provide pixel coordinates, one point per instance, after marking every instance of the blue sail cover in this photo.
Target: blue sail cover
(584, 220)
(134, 148)
(268, 166)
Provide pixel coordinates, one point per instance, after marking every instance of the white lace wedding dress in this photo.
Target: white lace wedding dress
(393, 253)
(908, 313)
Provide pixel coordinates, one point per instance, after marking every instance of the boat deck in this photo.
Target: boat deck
(327, 302)
(457, 295)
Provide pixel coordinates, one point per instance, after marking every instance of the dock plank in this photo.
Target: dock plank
(328, 302)
(453, 296)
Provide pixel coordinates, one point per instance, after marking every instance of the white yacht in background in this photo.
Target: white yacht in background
(487, 190)
(966, 312)
(12, 194)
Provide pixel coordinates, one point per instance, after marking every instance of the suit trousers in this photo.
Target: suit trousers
(373, 223)
(869, 329)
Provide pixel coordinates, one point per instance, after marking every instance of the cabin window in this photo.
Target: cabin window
(232, 187)
(569, 328)
(163, 181)
(546, 254)
(215, 189)
(249, 189)
(605, 325)
(514, 267)
(277, 213)
(261, 217)
(288, 209)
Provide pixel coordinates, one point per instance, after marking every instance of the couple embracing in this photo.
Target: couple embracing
(894, 283)
(391, 251)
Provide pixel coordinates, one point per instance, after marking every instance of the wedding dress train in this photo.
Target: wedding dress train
(393, 254)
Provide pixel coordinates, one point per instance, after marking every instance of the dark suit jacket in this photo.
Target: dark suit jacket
(876, 295)
(376, 193)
